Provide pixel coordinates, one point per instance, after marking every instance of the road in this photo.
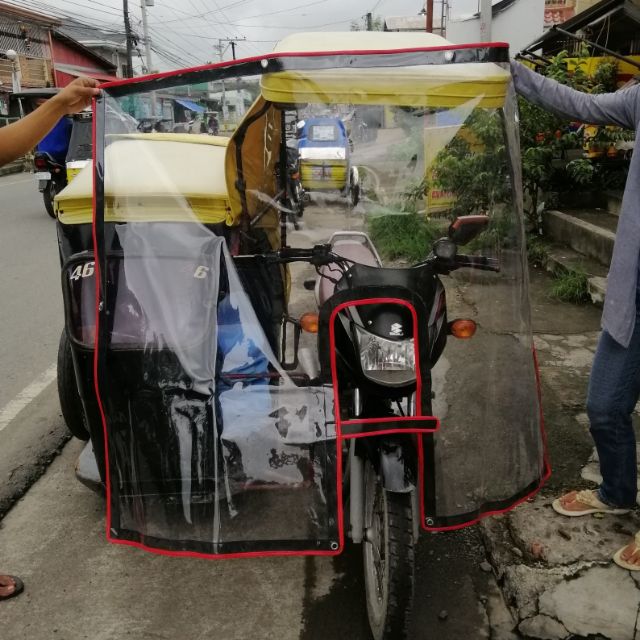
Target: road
(78, 586)
(31, 319)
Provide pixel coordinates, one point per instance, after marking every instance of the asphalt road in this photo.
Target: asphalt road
(31, 307)
(78, 586)
(31, 319)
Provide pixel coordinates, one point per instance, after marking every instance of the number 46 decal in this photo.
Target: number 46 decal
(85, 270)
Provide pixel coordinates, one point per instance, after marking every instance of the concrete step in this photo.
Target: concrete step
(614, 202)
(562, 258)
(590, 232)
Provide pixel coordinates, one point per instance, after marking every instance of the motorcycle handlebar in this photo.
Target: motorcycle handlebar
(318, 255)
(477, 262)
(321, 254)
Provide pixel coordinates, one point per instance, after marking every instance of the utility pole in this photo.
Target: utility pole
(369, 18)
(127, 30)
(147, 50)
(430, 16)
(486, 18)
(145, 31)
(233, 49)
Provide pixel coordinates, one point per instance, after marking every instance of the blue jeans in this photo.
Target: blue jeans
(614, 389)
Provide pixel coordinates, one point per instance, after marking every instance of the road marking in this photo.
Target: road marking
(27, 395)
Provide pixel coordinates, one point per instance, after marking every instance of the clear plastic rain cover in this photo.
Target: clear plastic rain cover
(275, 295)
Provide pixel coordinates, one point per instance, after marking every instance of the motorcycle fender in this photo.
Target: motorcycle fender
(395, 474)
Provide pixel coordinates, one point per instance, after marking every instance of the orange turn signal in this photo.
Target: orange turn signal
(463, 329)
(309, 322)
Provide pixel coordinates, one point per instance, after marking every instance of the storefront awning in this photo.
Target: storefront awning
(192, 106)
(75, 71)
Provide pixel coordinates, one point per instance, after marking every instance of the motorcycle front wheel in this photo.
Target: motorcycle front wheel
(388, 559)
(48, 195)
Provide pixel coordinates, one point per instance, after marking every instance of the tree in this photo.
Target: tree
(377, 24)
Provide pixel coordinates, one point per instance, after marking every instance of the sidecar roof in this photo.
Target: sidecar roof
(324, 42)
(157, 177)
(389, 83)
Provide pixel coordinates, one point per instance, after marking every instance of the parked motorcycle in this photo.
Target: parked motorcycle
(250, 390)
(51, 176)
(294, 195)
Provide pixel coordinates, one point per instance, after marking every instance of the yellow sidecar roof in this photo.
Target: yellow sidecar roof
(158, 177)
(437, 85)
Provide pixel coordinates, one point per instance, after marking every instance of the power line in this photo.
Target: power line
(207, 13)
(215, 27)
(164, 38)
(296, 28)
(77, 4)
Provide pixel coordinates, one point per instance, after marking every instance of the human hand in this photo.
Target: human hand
(76, 95)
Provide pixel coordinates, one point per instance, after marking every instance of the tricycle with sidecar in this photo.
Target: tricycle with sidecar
(250, 390)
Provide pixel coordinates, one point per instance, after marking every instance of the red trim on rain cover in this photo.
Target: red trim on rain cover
(334, 377)
(97, 316)
(140, 545)
(300, 54)
(543, 480)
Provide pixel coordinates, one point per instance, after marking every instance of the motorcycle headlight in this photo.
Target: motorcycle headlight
(388, 362)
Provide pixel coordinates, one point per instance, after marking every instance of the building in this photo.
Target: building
(29, 35)
(611, 30)
(514, 21)
(44, 55)
(559, 11)
(419, 22)
(72, 59)
(110, 45)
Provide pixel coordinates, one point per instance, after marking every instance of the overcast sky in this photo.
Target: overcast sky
(188, 30)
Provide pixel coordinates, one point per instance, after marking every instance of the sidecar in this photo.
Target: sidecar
(325, 158)
(195, 194)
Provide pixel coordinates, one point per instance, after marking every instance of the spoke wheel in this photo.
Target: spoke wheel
(388, 559)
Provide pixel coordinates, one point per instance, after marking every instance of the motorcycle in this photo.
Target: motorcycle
(51, 177)
(251, 390)
(294, 196)
(72, 138)
(325, 158)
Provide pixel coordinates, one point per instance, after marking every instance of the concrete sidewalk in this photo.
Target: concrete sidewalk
(556, 573)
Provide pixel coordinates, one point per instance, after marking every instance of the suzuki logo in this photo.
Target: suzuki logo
(396, 330)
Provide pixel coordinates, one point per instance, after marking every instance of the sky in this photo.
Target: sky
(186, 32)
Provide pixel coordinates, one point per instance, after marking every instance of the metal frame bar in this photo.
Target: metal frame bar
(599, 47)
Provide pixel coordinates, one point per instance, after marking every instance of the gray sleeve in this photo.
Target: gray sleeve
(619, 108)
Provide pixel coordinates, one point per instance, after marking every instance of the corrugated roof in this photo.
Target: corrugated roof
(630, 9)
(409, 23)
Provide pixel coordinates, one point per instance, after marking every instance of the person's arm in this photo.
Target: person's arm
(19, 137)
(619, 108)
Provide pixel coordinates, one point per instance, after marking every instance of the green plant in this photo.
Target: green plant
(571, 286)
(605, 77)
(403, 236)
(537, 251)
(546, 137)
(582, 171)
(479, 176)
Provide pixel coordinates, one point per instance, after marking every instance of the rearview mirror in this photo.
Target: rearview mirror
(465, 228)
